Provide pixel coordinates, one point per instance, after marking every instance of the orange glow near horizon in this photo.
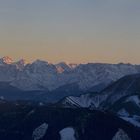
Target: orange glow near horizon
(71, 31)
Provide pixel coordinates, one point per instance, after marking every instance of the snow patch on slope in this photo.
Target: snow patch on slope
(135, 99)
(135, 120)
(67, 134)
(40, 131)
(123, 113)
(121, 135)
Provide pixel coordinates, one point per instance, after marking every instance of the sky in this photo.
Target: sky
(77, 31)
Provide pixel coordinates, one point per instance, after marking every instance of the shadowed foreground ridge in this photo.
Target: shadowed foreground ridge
(20, 121)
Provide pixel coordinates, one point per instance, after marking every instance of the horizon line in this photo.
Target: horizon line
(66, 62)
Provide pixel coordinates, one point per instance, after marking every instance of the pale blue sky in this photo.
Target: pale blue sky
(71, 30)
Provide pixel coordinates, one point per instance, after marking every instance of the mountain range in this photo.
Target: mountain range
(99, 97)
(41, 75)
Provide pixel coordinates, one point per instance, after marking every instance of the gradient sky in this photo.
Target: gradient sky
(71, 30)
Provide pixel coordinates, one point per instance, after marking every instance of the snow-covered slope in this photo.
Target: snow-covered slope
(124, 91)
(8, 72)
(85, 101)
(126, 86)
(128, 108)
(42, 74)
(95, 74)
(36, 76)
(121, 98)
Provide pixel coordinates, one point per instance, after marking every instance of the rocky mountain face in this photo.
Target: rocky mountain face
(122, 98)
(41, 75)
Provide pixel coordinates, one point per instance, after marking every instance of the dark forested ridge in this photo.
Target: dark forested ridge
(19, 120)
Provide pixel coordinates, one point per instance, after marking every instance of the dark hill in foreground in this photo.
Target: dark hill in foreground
(21, 121)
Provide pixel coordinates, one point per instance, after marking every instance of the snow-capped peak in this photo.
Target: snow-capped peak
(21, 63)
(73, 65)
(6, 60)
(62, 66)
(40, 62)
